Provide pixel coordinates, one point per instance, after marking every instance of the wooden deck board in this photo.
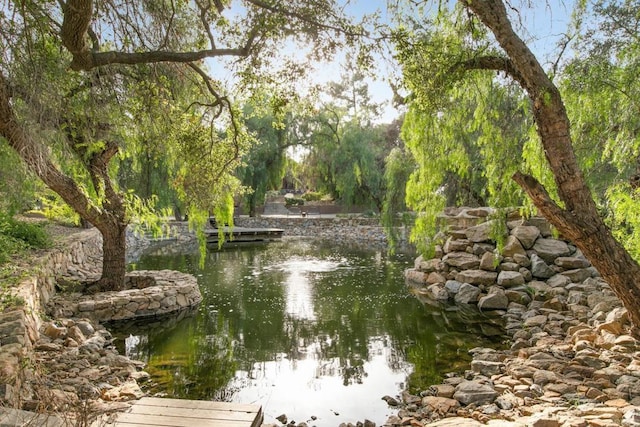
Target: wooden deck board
(159, 412)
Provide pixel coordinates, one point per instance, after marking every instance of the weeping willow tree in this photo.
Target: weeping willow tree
(478, 38)
(602, 94)
(68, 80)
(466, 148)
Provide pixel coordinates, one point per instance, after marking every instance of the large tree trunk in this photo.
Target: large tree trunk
(579, 220)
(113, 256)
(109, 219)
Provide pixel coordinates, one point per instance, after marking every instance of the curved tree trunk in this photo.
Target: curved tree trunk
(579, 220)
(109, 219)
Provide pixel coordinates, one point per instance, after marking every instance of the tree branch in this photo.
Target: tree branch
(495, 63)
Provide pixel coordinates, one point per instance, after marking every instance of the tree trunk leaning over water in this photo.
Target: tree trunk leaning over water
(109, 219)
(579, 220)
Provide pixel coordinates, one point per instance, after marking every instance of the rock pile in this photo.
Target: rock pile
(572, 361)
(148, 294)
(80, 371)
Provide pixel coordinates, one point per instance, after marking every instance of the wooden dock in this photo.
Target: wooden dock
(244, 235)
(159, 412)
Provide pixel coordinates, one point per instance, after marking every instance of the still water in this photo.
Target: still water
(311, 329)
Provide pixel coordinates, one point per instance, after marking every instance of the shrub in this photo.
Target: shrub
(16, 236)
(293, 201)
(312, 196)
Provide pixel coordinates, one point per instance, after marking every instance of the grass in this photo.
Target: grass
(18, 239)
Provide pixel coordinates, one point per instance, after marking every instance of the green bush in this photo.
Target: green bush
(293, 201)
(312, 196)
(16, 236)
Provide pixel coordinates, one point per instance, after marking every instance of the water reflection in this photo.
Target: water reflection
(304, 328)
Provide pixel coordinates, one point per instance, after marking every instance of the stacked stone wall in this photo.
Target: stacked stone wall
(340, 229)
(571, 361)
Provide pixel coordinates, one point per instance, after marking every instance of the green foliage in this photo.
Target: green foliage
(294, 201)
(32, 234)
(312, 196)
(467, 130)
(624, 216)
(398, 168)
(264, 163)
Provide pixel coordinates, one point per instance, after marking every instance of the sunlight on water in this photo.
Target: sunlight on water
(309, 329)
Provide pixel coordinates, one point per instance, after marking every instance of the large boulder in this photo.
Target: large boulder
(510, 279)
(468, 392)
(495, 300)
(462, 260)
(480, 232)
(467, 294)
(512, 247)
(540, 269)
(550, 249)
(526, 234)
(477, 277)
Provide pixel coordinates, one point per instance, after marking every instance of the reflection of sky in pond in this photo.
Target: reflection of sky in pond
(310, 386)
(303, 328)
(297, 284)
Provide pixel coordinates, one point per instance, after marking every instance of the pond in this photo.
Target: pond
(311, 329)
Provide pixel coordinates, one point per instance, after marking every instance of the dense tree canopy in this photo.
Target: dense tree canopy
(83, 82)
(459, 47)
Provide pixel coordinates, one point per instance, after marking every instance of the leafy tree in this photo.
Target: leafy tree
(264, 164)
(602, 94)
(464, 50)
(68, 71)
(346, 151)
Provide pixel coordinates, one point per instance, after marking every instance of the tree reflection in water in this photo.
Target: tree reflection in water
(305, 328)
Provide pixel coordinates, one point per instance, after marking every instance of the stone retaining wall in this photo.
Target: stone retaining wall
(339, 229)
(153, 294)
(572, 361)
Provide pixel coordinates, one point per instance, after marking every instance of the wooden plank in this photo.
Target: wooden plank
(126, 419)
(198, 404)
(213, 414)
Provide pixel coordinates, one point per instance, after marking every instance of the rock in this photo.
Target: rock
(488, 261)
(467, 294)
(428, 266)
(558, 281)
(439, 405)
(550, 249)
(578, 275)
(462, 260)
(438, 292)
(487, 368)
(455, 422)
(526, 234)
(631, 418)
(452, 286)
(477, 277)
(495, 300)
(480, 232)
(282, 418)
(443, 390)
(543, 420)
(513, 247)
(456, 245)
(540, 269)
(469, 392)
(543, 377)
(509, 279)
(534, 321)
(435, 277)
(571, 263)
(390, 400)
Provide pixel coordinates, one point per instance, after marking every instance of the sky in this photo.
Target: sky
(543, 22)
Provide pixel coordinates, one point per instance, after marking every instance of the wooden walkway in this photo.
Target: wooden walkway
(157, 412)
